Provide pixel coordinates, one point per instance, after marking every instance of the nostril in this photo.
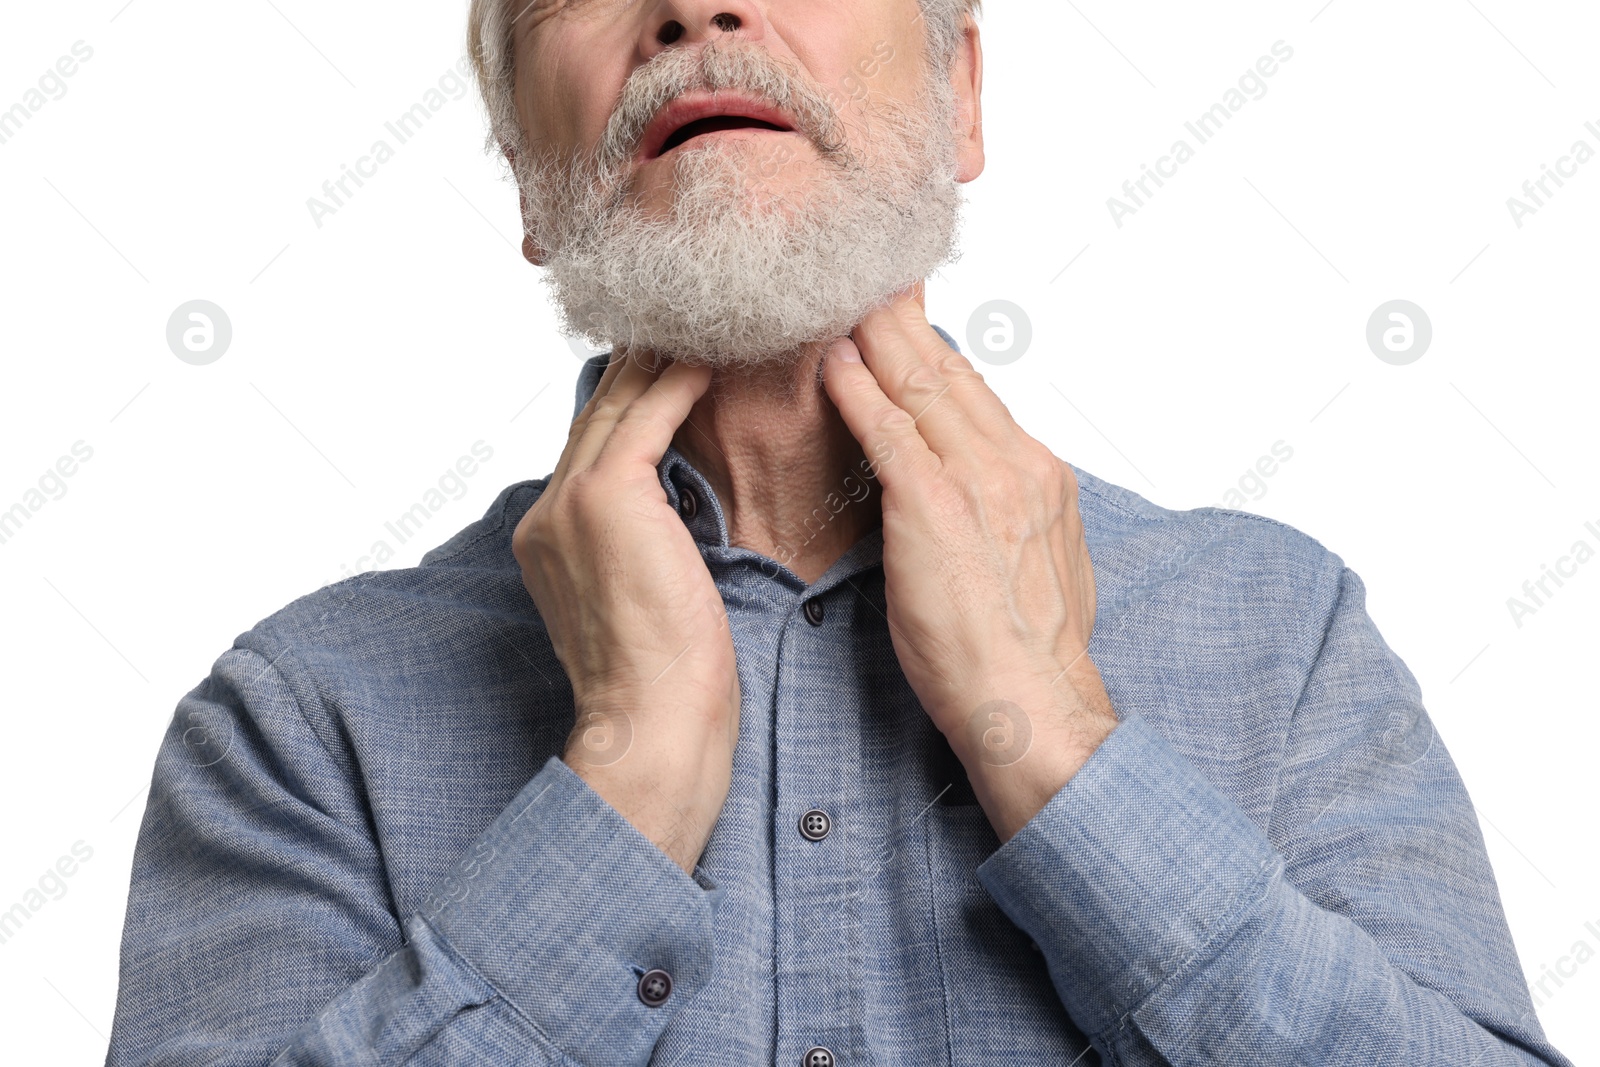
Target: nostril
(725, 22)
(670, 32)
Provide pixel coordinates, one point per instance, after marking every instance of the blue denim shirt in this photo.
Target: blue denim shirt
(362, 847)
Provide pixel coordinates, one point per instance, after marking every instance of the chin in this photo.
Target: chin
(729, 175)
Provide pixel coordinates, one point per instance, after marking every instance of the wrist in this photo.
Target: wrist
(1011, 713)
(1020, 750)
(675, 820)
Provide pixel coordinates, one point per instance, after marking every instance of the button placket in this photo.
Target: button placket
(817, 888)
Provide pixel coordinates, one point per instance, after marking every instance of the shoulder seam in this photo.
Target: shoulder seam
(1168, 515)
(1263, 518)
(272, 665)
(1110, 503)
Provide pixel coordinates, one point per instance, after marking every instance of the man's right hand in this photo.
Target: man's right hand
(633, 613)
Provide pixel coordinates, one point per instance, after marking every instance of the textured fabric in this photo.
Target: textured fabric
(362, 847)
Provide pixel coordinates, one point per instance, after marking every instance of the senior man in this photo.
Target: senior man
(787, 720)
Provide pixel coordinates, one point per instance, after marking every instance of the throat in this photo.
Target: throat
(792, 481)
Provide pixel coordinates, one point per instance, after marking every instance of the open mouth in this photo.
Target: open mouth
(699, 114)
(715, 124)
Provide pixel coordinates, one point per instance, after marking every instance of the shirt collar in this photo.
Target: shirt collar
(704, 516)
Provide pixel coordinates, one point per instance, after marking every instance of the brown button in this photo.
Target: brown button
(688, 503)
(814, 612)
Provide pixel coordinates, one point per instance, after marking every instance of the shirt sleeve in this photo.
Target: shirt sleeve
(1362, 925)
(261, 927)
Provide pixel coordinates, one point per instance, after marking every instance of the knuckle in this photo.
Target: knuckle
(893, 421)
(527, 537)
(1068, 478)
(578, 491)
(926, 379)
(953, 364)
(1037, 461)
(609, 407)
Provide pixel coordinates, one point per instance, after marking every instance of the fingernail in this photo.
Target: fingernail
(845, 351)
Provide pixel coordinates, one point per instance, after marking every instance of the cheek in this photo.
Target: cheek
(877, 65)
(901, 69)
(842, 44)
(568, 82)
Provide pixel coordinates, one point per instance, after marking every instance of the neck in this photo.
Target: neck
(787, 471)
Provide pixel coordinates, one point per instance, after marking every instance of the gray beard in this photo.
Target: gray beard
(734, 277)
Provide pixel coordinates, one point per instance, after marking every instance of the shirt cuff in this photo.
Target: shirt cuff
(1136, 870)
(562, 905)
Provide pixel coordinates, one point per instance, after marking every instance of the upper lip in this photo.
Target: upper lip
(691, 107)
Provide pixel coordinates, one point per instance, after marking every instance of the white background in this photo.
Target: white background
(369, 354)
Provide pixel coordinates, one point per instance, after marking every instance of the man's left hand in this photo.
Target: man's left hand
(989, 588)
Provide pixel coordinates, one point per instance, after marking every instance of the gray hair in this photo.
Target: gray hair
(489, 43)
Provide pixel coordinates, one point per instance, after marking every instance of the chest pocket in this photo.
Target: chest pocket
(1001, 1004)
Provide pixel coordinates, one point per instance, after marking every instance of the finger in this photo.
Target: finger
(634, 377)
(581, 420)
(607, 377)
(645, 429)
(884, 430)
(952, 405)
